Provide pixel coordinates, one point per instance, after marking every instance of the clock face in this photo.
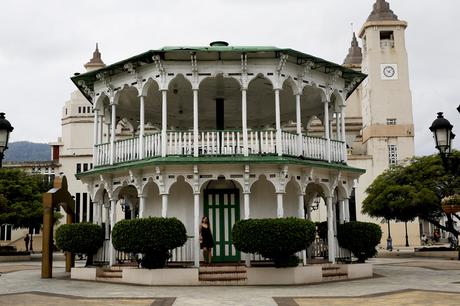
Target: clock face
(388, 71)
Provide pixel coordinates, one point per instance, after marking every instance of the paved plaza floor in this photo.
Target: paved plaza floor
(397, 281)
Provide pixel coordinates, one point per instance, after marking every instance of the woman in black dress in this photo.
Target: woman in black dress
(206, 240)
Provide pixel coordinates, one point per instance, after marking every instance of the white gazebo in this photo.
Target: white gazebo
(221, 131)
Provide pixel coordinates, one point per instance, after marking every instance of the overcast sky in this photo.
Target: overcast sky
(42, 43)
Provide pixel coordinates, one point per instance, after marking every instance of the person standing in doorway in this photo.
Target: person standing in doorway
(206, 240)
(26, 241)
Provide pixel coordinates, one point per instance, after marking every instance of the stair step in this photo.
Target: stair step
(222, 268)
(221, 272)
(220, 276)
(223, 282)
(330, 274)
(330, 268)
(103, 275)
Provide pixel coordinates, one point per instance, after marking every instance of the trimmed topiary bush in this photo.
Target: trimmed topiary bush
(153, 237)
(277, 239)
(85, 238)
(361, 238)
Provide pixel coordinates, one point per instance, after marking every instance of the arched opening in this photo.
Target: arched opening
(291, 199)
(261, 104)
(180, 104)
(180, 203)
(263, 199)
(152, 200)
(219, 105)
(128, 203)
(221, 204)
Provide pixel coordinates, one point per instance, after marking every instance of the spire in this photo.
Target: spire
(95, 62)
(355, 55)
(382, 11)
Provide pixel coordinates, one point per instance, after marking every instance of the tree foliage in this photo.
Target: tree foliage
(84, 238)
(361, 238)
(21, 198)
(277, 239)
(415, 190)
(153, 237)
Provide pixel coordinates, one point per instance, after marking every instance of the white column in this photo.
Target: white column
(244, 120)
(95, 135)
(196, 229)
(195, 122)
(337, 126)
(142, 126)
(298, 119)
(101, 129)
(342, 133)
(301, 210)
(96, 213)
(164, 205)
(246, 203)
(279, 150)
(100, 208)
(346, 210)
(164, 121)
(279, 205)
(113, 216)
(326, 130)
(330, 230)
(107, 222)
(141, 205)
(113, 125)
(342, 211)
(88, 209)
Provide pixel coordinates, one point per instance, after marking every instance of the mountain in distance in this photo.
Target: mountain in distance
(22, 151)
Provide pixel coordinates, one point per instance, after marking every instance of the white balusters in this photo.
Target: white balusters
(215, 143)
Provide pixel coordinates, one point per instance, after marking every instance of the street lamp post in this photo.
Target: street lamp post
(442, 132)
(5, 130)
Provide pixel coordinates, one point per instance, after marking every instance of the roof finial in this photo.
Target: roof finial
(382, 11)
(96, 61)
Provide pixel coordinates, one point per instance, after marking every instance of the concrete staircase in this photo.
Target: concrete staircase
(333, 272)
(113, 274)
(222, 275)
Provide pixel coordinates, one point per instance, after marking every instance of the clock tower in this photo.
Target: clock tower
(386, 102)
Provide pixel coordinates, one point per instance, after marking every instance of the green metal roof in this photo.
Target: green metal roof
(262, 51)
(189, 160)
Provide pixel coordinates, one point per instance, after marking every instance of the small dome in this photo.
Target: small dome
(219, 43)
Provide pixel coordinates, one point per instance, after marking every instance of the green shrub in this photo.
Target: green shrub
(85, 238)
(361, 238)
(153, 237)
(276, 239)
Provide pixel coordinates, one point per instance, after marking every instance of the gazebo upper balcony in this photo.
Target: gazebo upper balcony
(221, 143)
(218, 101)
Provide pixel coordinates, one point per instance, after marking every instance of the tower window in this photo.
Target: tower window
(387, 39)
(79, 109)
(392, 155)
(391, 121)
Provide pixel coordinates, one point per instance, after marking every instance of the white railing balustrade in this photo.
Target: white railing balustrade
(289, 142)
(152, 145)
(314, 147)
(337, 151)
(184, 253)
(180, 143)
(217, 143)
(102, 154)
(126, 150)
(267, 142)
